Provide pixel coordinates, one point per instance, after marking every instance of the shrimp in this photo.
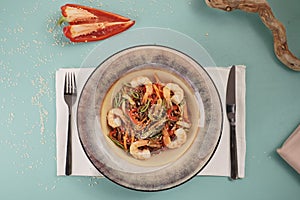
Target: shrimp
(179, 140)
(115, 117)
(137, 153)
(142, 80)
(183, 124)
(178, 93)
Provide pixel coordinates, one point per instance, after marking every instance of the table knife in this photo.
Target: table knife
(231, 115)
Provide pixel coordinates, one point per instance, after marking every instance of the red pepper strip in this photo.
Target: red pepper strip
(171, 112)
(112, 133)
(133, 116)
(169, 131)
(78, 14)
(95, 31)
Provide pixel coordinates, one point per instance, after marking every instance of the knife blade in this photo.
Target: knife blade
(231, 115)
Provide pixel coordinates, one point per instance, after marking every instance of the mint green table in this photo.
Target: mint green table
(32, 48)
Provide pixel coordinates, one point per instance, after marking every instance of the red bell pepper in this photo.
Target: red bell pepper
(90, 24)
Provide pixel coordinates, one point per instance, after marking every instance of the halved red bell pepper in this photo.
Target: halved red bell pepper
(90, 24)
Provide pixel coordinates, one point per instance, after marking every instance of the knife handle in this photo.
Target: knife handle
(233, 151)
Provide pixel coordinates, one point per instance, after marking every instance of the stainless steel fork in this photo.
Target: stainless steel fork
(70, 93)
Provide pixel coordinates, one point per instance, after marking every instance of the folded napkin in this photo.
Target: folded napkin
(290, 150)
(219, 165)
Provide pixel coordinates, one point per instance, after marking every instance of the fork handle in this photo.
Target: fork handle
(69, 149)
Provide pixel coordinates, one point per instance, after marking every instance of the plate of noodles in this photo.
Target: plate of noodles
(149, 117)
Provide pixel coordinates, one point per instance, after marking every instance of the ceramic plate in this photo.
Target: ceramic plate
(169, 168)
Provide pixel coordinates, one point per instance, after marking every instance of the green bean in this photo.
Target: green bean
(135, 94)
(117, 143)
(145, 107)
(117, 100)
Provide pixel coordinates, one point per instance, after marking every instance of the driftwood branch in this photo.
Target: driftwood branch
(265, 13)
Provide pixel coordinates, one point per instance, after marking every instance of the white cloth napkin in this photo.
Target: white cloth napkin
(290, 149)
(219, 165)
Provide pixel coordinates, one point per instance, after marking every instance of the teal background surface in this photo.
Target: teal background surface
(32, 48)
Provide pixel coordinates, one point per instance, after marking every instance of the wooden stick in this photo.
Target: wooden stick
(265, 13)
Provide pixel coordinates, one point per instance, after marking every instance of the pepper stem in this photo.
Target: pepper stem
(61, 20)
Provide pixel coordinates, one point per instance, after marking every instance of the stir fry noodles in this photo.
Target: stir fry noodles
(148, 117)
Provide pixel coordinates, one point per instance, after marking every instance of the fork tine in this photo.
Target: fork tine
(66, 83)
(69, 84)
(74, 88)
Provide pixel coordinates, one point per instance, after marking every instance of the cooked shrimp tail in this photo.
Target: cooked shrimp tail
(177, 142)
(176, 90)
(138, 153)
(115, 117)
